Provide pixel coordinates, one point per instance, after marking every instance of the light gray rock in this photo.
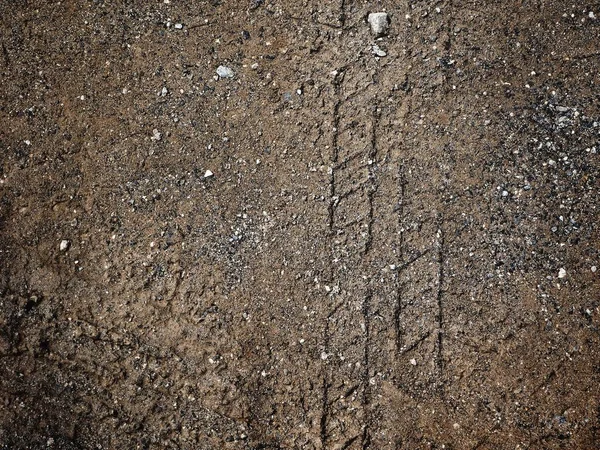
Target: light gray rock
(379, 22)
(225, 72)
(378, 52)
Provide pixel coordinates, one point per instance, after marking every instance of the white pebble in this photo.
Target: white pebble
(225, 72)
(378, 52)
(64, 245)
(413, 362)
(562, 273)
(594, 268)
(156, 135)
(379, 23)
(208, 174)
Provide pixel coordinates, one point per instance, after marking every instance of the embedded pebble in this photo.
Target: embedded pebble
(379, 23)
(562, 273)
(378, 52)
(64, 245)
(225, 72)
(156, 135)
(208, 174)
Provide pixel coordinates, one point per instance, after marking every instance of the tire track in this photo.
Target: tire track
(387, 254)
(347, 343)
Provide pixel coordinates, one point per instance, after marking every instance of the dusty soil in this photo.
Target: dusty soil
(392, 252)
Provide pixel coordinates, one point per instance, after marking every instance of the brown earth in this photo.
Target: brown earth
(374, 262)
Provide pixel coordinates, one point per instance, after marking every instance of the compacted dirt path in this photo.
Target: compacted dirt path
(331, 245)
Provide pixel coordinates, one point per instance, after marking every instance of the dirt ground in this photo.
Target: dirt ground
(329, 250)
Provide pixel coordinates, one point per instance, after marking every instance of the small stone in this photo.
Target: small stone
(324, 356)
(562, 273)
(225, 72)
(178, 26)
(594, 268)
(208, 174)
(64, 245)
(156, 135)
(379, 23)
(378, 52)
(413, 362)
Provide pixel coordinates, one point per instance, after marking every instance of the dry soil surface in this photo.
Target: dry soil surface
(329, 250)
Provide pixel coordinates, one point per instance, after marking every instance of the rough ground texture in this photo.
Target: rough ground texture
(374, 263)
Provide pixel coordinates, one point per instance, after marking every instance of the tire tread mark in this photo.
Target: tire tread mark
(441, 258)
